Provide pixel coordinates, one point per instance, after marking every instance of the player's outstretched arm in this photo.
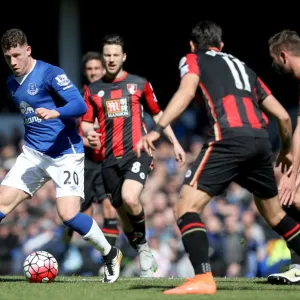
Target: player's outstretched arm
(289, 161)
(169, 133)
(287, 186)
(296, 146)
(271, 106)
(181, 99)
(179, 102)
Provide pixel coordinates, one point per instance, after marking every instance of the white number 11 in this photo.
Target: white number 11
(233, 64)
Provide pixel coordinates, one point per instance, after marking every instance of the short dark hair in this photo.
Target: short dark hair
(90, 55)
(287, 40)
(114, 39)
(206, 34)
(12, 38)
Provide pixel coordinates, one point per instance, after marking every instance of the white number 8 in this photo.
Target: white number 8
(136, 167)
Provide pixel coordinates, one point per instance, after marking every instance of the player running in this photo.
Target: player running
(238, 148)
(53, 149)
(284, 49)
(118, 100)
(93, 66)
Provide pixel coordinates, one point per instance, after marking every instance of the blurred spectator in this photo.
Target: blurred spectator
(241, 243)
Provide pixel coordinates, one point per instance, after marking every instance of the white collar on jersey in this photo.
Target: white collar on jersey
(21, 79)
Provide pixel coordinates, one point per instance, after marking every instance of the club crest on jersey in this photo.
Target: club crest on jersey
(131, 88)
(32, 89)
(101, 93)
(62, 80)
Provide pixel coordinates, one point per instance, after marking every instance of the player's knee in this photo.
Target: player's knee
(273, 214)
(68, 207)
(10, 198)
(67, 215)
(131, 200)
(185, 205)
(191, 200)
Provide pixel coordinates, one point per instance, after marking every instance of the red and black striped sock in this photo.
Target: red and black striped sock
(138, 225)
(110, 230)
(195, 241)
(289, 229)
(132, 239)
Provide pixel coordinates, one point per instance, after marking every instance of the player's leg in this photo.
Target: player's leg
(211, 173)
(68, 175)
(288, 228)
(136, 173)
(260, 180)
(110, 222)
(292, 274)
(21, 182)
(86, 206)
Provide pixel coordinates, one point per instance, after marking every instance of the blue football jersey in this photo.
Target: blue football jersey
(49, 87)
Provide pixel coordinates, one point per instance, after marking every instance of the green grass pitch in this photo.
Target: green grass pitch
(91, 288)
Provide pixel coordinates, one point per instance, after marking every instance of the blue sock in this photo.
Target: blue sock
(2, 216)
(81, 223)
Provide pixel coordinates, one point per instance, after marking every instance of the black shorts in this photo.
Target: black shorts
(128, 167)
(93, 184)
(246, 160)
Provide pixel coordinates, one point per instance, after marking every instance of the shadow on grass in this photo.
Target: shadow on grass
(11, 279)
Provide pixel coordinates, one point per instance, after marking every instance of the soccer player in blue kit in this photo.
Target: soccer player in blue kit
(53, 148)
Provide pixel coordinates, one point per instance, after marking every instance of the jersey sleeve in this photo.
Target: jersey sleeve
(56, 80)
(150, 99)
(261, 90)
(189, 65)
(90, 115)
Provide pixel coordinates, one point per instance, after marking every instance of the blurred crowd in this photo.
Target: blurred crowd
(241, 243)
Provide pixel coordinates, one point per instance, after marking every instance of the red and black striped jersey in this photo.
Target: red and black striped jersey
(119, 106)
(92, 154)
(231, 91)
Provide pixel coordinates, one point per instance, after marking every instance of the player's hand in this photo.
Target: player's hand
(94, 140)
(179, 154)
(287, 188)
(285, 161)
(46, 114)
(146, 143)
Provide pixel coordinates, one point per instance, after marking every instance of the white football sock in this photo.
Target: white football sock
(97, 239)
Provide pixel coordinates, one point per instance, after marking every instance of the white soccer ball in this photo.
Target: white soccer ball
(40, 267)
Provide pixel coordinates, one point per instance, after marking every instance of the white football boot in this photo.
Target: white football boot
(292, 276)
(148, 263)
(112, 268)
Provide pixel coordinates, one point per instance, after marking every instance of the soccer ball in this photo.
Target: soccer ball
(40, 266)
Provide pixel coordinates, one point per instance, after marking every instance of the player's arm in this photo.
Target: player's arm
(190, 77)
(84, 139)
(272, 107)
(180, 101)
(56, 80)
(88, 120)
(296, 147)
(287, 184)
(91, 137)
(156, 114)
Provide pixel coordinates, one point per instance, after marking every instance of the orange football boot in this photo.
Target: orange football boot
(200, 284)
